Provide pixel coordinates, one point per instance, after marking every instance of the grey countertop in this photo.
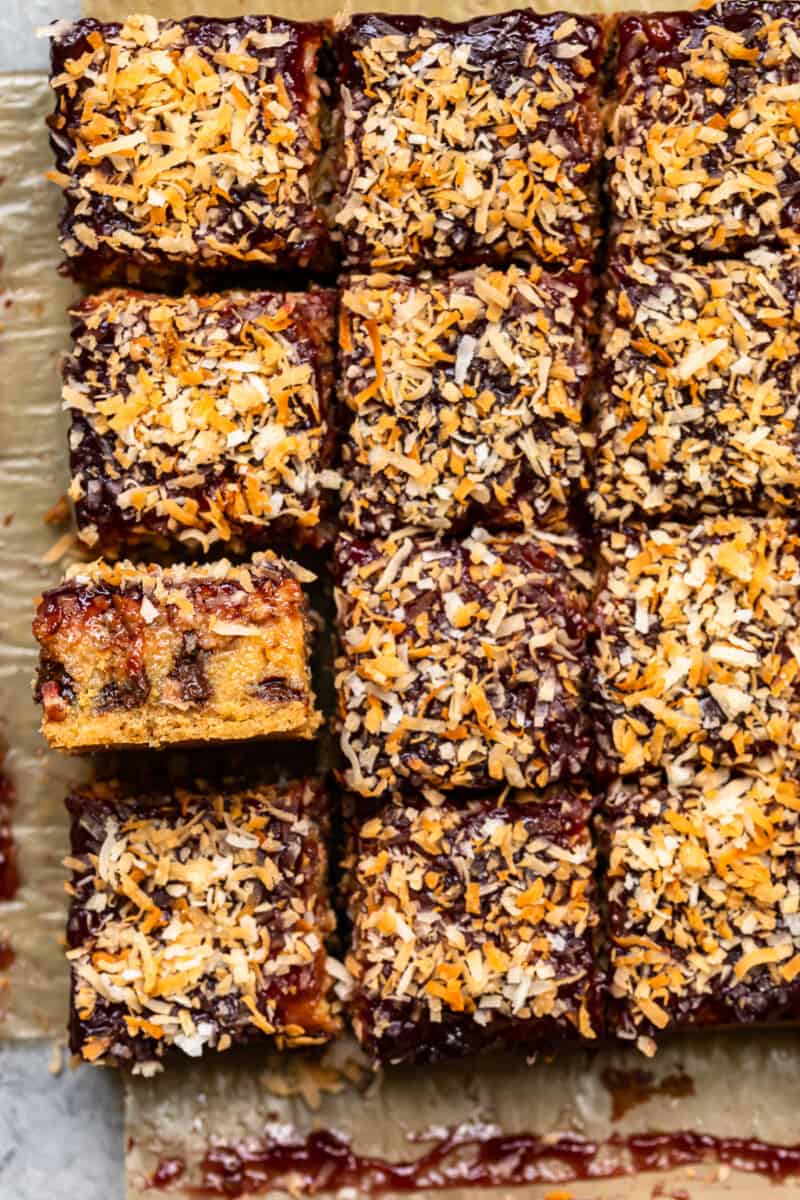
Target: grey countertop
(61, 1137)
(20, 49)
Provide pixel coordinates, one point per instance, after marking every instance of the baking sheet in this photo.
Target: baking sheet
(744, 1085)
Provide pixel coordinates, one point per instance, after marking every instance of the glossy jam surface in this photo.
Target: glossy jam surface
(660, 39)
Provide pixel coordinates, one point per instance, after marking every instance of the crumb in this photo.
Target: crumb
(60, 548)
(56, 1064)
(58, 513)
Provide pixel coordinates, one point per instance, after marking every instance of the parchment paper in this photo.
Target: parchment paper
(315, 10)
(745, 1085)
(33, 299)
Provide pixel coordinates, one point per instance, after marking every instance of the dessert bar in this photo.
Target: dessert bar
(704, 890)
(473, 926)
(463, 662)
(198, 921)
(200, 419)
(187, 146)
(465, 398)
(701, 405)
(470, 142)
(705, 141)
(696, 652)
(147, 655)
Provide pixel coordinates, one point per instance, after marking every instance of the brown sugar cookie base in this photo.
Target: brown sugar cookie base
(178, 655)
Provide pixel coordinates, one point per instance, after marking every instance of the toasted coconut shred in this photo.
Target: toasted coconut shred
(199, 924)
(467, 142)
(187, 143)
(463, 662)
(478, 915)
(465, 395)
(701, 408)
(705, 152)
(200, 419)
(704, 896)
(697, 654)
(158, 582)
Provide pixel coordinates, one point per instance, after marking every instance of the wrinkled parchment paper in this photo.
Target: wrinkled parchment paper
(745, 1085)
(315, 10)
(33, 299)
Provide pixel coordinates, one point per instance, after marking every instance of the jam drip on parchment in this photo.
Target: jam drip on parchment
(9, 872)
(325, 1162)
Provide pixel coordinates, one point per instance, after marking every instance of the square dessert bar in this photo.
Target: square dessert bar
(701, 405)
(200, 419)
(465, 398)
(705, 138)
(704, 895)
(463, 662)
(148, 655)
(184, 146)
(696, 650)
(471, 142)
(473, 926)
(198, 921)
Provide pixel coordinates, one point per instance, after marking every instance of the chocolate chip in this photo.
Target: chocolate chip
(276, 690)
(52, 671)
(189, 671)
(128, 693)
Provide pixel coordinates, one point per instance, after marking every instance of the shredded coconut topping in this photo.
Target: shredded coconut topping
(198, 921)
(471, 142)
(702, 400)
(704, 896)
(187, 144)
(697, 654)
(471, 920)
(199, 419)
(465, 396)
(705, 152)
(157, 581)
(463, 662)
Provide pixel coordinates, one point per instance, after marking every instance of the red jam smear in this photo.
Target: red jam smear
(323, 1161)
(9, 871)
